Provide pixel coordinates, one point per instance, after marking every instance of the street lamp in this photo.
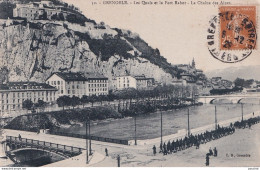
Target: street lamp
(87, 142)
(90, 150)
(188, 122)
(135, 130)
(216, 126)
(242, 110)
(161, 129)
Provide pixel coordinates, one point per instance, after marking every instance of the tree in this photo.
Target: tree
(93, 99)
(27, 104)
(61, 17)
(43, 16)
(6, 10)
(75, 101)
(84, 100)
(41, 104)
(63, 101)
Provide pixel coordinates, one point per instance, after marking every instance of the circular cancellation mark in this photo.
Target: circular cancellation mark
(232, 34)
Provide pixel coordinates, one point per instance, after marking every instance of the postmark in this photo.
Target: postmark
(232, 34)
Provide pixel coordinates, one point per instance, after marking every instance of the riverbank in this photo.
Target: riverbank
(182, 133)
(240, 149)
(77, 117)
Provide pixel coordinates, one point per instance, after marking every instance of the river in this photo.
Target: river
(148, 126)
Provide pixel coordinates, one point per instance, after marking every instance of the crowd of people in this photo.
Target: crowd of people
(194, 140)
(247, 123)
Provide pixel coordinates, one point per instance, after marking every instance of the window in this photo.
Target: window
(61, 91)
(58, 82)
(54, 82)
(13, 106)
(68, 91)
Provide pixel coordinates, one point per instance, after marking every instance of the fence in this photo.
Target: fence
(102, 139)
(24, 142)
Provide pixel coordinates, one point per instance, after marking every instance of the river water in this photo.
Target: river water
(148, 126)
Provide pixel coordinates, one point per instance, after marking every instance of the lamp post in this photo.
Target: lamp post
(90, 150)
(161, 129)
(188, 122)
(242, 110)
(135, 131)
(216, 126)
(87, 141)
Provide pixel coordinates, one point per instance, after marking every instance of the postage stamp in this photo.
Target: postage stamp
(232, 34)
(237, 27)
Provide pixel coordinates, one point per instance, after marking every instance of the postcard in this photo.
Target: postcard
(129, 83)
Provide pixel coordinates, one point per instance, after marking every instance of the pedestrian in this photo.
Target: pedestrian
(106, 152)
(207, 159)
(210, 152)
(215, 152)
(154, 150)
(20, 137)
(118, 160)
(161, 148)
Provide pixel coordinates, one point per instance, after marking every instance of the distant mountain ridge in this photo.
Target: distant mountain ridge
(231, 73)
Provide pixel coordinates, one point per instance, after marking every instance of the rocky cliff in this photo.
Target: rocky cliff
(33, 50)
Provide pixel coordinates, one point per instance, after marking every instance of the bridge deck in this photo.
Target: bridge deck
(52, 147)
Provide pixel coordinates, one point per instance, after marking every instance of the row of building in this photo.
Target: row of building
(13, 94)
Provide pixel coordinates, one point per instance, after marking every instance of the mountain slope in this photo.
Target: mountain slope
(231, 73)
(33, 50)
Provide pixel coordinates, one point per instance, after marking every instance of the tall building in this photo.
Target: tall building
(78, 84)
(12, 94)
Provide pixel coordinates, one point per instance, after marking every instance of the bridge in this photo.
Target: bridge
(16, 144)
(233, 98)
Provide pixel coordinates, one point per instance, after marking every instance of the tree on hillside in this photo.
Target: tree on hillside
(6, 10)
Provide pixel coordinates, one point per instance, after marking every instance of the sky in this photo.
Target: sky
(178, 31)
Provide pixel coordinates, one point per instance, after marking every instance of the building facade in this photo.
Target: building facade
(13, 94)
(123, 82)
(137, 82)
(77, 84)
(143, 82)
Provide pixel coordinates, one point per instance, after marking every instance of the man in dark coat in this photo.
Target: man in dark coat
(154, 150)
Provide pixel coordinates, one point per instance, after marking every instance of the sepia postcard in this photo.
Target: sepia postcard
(129, 83)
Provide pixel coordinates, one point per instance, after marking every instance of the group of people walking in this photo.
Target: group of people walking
(247, 123)
(194, 140)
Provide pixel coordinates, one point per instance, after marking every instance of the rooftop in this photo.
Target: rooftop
(24, 85)
(70, 76)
